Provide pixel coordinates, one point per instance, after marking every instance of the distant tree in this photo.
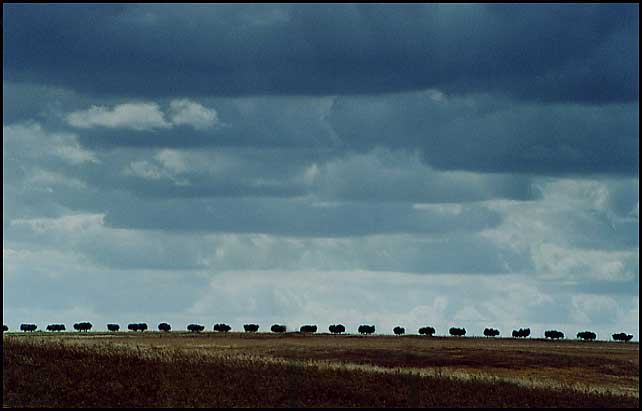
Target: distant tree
(337, 328)
(522, 333)
(622, 337)
(399, 330)
(222, 328)
(553, 334)
(164, 327)
(195, 328)
(276, 328)
(137, 327)
(250, 328)
(308, 329)
(113, 327)
(457, 332)
(587, 335)
(491, 332)
(56, 327)
(84, 326)
(427, 331)
(366, 329)
(28, 327)
(4, 328)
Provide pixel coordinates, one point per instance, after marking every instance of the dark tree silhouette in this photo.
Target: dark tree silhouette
(113, 327)
(137, 327)
(457, 332)
(399, 330)
(427, 331)
(28, 327)
(164, 327)
(276, 328)
(337, 328)
(84, 326)
(250, 328)
(56, 327)
(491, 332)
(195, 328)
(4, 328)
(308, 329)
(622, 337)
(222, 328)
(553, 334)
(587, 335)
(366, 329)
(521, 333)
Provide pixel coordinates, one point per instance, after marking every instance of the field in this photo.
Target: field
(267, 370)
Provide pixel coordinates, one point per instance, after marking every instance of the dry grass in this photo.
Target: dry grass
(279, 370)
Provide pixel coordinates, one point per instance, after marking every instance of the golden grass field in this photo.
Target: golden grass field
(306, 370)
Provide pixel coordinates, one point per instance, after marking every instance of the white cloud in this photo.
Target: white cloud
(173, 160)
(136, 116)
(167, 164)
(144, 169)
(145, 116)
(30, 141)
(573, 233)
(47, 179)
(387, 175)
(590, 309)
(186, 112)
(75, 154)
(70, 224)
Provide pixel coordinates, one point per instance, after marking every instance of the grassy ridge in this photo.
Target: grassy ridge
(60, 375)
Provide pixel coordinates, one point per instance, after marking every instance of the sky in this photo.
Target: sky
(444, 165)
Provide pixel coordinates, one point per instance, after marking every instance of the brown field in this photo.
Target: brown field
(268, 370)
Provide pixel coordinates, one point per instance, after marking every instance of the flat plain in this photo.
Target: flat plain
(208, 369)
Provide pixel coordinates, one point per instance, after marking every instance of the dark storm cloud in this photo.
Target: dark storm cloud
(485, 134)
(584, 53)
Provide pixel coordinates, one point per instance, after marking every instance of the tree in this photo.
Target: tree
(587, 335)
(337, 328)
(427, 331)
(457, 332)
(28, 327)
(491, 332)
(56, 327)
(521, 333)
(250, 328)
(137, 327)
(366, 329)
(164, 327)
(113, 327)
(222, 328)
(84, 326)
(308, 329)
(553, 334)
(195, 328)
(399, 330)
(622, 337)
(4, 328)
(276, 328)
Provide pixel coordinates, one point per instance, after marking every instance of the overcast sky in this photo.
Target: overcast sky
(445, 165)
